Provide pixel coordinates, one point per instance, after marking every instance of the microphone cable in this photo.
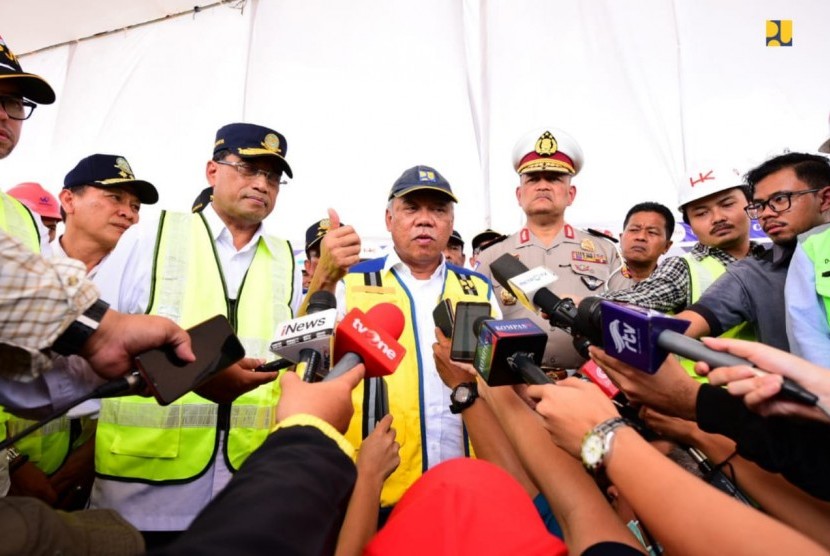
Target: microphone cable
(116, 387)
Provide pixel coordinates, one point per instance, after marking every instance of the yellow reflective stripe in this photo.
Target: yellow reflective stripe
(252, 417)
(185, 416)
(16, 425)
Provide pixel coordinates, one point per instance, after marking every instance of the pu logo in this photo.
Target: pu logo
(426, 175)
(779, 32)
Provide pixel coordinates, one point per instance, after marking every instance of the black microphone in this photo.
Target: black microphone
(529, 286)
(509, 351)
(307, 340)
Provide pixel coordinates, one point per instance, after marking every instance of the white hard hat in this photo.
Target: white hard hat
(547, 149)
(705, 180)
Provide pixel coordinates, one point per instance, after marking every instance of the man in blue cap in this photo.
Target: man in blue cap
(414, 276)
(159, 466)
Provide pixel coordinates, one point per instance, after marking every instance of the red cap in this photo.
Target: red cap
(465, 506)
(37, 199)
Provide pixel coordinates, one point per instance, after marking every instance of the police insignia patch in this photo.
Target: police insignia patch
(546, 144)
(591, 282)
(587, 244)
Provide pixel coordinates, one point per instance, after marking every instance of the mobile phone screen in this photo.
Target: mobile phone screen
(464, 338)
(215, 345)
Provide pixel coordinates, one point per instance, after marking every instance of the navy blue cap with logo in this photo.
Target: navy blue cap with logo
(419, 178)
(30, 86)
(251, 141)
(110, 170)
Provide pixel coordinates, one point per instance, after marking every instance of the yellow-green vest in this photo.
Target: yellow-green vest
(19, 222)
(138, 439)
(702, 274)
(46, 447)
(817, 249)
(367, 284)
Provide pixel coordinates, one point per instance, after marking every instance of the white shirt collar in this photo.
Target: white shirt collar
(393, 261)
(221, 233)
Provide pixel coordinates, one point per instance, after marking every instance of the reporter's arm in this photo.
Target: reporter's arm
(720, 522)
(377, 459)
(583, 513)
(489, 440)
(776, 496)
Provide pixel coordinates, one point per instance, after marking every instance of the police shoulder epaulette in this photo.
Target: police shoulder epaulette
(598, 233)
(494, 242)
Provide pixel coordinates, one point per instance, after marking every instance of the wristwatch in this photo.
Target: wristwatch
(74, 337)
(463, 396)
(596, 445)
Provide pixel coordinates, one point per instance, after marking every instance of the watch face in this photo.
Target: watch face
(462, 394)
(592, 450)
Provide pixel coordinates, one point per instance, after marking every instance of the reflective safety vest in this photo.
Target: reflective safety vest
(817, 249)
(19, 222)
(703, 274)
(367, 284)
(138, 439)
(47, 447)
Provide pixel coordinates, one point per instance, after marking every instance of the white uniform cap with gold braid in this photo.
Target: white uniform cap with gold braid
(547, 149)
(704, 180)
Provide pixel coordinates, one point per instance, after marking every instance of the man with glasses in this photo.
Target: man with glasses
(160, 465)
(790, 195)
(20, 93)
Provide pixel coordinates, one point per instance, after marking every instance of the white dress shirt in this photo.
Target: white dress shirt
(124, 280)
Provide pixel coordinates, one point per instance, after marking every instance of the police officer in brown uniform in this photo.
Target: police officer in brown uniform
(546, 159)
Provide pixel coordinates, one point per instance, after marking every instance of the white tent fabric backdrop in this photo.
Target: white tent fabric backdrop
(364, 90)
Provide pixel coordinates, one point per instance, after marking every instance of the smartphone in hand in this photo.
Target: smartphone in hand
(442, 315)
(216, 347)
(464, 338)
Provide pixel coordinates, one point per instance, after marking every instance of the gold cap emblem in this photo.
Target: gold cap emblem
(124, 168)
(546, 144)
(272, 143)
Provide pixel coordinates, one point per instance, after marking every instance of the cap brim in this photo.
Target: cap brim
(32, 87)
(144, 190)
(408, 190)
(255, 153)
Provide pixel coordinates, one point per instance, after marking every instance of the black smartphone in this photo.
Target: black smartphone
(443, 317)
(215, 345)
(464, 338)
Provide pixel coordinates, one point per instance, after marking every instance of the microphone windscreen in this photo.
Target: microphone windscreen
(506, 267)
(320, 301)
(389, 317)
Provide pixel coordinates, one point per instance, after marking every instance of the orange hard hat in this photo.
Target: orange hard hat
(37, 199)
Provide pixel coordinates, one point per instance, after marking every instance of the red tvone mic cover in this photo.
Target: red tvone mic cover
(374, 337)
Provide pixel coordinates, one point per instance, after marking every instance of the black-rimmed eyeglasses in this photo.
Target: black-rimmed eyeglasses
(248, 171)
(17, 108)
(778, 202)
